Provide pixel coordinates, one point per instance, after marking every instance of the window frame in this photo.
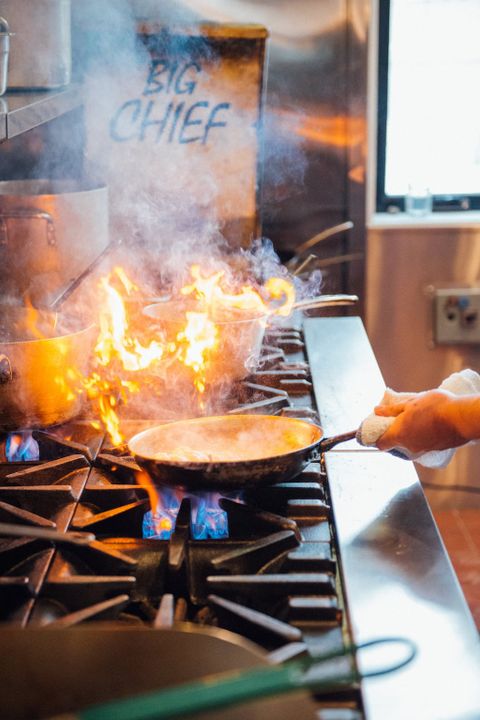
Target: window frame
(396, 203)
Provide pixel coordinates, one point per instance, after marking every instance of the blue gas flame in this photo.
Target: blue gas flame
(159, 524)
(21, 446)
(209, 521)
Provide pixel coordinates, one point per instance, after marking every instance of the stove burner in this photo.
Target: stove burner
(21, 446)
(208, 519)
(262, 564)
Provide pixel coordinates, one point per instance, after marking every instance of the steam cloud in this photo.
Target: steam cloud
(168, 196)
(164, 195)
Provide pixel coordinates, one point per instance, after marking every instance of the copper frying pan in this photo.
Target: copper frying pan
(230, 452)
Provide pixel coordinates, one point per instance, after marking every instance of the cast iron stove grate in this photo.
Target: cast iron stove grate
(274, 579)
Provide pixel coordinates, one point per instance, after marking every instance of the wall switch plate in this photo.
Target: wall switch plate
(456, 315)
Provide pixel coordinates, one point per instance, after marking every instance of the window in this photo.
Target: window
(429, 102)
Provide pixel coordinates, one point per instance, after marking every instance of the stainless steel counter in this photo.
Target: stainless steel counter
(397, 576)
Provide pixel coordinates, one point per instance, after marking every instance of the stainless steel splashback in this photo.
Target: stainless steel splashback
(315, 127)
(317, 103)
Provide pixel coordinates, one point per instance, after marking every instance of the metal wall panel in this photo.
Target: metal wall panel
(402, 264)
(315, 126)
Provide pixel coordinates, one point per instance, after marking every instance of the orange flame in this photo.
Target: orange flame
(281, 289)
(110, 418)
(200, 337)
(213, 298)
(145, 481)
(119, 352)
(114, 340)
(32, 318)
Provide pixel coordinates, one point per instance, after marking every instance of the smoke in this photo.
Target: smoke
(173, 128)
(157, 131)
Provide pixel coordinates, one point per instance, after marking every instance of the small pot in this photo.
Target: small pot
(40, 378)
(239, 348)
(239, 340)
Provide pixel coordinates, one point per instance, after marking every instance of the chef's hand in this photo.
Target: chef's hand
(433, 420)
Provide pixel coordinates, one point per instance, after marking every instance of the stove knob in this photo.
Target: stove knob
(5, 369)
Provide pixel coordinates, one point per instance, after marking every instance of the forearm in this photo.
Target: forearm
(435, 420)
(464, 414)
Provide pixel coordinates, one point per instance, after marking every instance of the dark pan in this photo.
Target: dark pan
(230, 452)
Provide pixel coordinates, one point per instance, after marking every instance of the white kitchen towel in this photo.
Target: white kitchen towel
(464, 382)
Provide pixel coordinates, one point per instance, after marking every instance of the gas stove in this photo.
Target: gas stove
(296, 568)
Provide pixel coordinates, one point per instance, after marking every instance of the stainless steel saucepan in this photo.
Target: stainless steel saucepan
(239, 336)
(43, 357)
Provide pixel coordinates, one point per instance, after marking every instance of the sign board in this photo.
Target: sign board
(184, 125)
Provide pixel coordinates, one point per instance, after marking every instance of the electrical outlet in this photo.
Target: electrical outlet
(456, 315)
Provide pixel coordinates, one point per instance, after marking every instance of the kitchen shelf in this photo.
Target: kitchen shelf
(22, 111)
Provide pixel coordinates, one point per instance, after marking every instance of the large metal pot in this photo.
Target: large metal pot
(40, 378)
(50, 232)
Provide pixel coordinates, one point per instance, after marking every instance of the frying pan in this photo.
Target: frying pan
(230, 452)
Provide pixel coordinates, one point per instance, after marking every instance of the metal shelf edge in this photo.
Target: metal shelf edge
(22, 111)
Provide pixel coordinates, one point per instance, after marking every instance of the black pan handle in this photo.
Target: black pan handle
(330, 442)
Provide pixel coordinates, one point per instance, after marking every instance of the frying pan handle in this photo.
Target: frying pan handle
(330, 442)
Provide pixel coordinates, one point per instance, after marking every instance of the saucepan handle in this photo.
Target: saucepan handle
(26, 214)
